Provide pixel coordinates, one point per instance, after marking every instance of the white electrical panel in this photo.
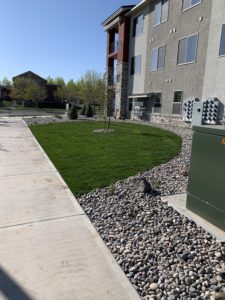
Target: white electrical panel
(187, 111)
(213, 111)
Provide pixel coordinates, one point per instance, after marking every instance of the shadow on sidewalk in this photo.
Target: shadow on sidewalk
(10, 289)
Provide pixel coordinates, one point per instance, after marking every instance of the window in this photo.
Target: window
(158, 58)
(187, 50)
(136, 65)
(138, 25)
(157, 99)
(177, 102)
(178, 97)
(130, 104)
(154, 59)
(190, 3)
(161, 11)
(222, 41)
(156, 103)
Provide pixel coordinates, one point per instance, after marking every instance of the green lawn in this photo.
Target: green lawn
(89, 160)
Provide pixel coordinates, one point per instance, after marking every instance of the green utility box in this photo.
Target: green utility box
(206, 187)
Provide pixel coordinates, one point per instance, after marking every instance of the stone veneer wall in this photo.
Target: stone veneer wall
(121, 90)
(174, 120)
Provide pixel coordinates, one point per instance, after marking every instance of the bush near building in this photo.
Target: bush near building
(72, 114)
(89, 111)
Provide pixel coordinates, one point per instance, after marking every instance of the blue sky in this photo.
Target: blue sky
(54, 37)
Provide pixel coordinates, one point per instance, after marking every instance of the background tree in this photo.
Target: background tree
(59, 80)
(6, 82)
(91, 88)
(102, 92)
(28, 89)
(62, 93)
(50, 80)
(71, 91)
(35, 92)
(19, 88)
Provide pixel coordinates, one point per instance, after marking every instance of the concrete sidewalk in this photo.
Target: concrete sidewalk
(49, 250)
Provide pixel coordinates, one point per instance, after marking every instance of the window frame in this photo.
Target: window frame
(161, 22)
(221, 55)
(132, 70)
(196, 50)
(183, 10)
(134, 33)
(160, 103)
(153, 70)
(178, 91)
(178, 111)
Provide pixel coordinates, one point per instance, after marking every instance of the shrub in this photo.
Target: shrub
(72, 114)
(89, 111)
(83, 110)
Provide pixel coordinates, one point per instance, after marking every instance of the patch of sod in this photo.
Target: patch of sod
(88, 160)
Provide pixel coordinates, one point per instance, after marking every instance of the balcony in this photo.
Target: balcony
(113, 48)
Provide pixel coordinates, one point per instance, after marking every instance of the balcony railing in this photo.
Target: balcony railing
(113, 47)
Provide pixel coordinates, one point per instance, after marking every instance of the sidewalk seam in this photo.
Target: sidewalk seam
(28, 174)
(41, 221)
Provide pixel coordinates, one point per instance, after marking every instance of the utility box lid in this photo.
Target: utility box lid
(209, 129)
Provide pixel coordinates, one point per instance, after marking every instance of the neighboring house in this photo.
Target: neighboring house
(4, 92)
(167, 51)
(51, 88)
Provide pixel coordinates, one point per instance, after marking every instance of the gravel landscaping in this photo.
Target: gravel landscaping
(45, 120)
(52, 119)
(165, 255)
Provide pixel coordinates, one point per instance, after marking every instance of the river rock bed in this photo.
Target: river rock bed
(164, 254)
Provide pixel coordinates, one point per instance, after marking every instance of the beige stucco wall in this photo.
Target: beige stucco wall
(214, 83)
(188, 78)
(138, 46)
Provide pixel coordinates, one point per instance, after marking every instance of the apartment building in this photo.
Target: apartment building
(214, 81)
(173, 50)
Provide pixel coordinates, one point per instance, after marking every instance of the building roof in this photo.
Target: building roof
(122, 10)
(138, 6)
(28, 73)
